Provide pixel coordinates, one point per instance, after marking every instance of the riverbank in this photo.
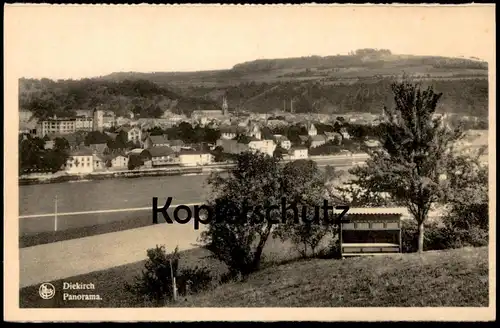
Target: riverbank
(165, 171)
(121, 174)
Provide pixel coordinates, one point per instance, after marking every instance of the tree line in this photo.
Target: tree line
(46, 98)
(35, 157)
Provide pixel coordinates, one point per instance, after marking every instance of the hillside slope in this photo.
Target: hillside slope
(144, 98)
(359, 82)
(446, 278)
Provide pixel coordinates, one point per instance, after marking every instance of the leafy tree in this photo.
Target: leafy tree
(55, 159)
(218, 153)
(304, 184)
(38, 143)
(266, 133)
(256, 182)
(237, 236)
(96, 137)
(211, 135)
(185, 132)
(468, 215)
(30, 153)
(415, 152)
(156, 131)
(61, 144)
(134, 161)
(279, 152)
(294, 132)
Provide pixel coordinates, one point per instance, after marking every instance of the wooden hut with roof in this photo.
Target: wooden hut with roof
(371, 231)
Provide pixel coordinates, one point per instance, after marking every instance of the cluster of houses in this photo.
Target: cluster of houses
(155, 151)
(239, 133)
(230, 142)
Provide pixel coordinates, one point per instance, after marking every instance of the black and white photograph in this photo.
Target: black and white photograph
(210, 158)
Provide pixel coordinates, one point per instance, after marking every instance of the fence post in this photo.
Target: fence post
(174, 287)
(55, 214)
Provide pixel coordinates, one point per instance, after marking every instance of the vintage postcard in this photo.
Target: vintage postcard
(241, 161)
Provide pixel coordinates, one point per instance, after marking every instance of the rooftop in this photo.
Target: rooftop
(377, 211)
(298, 148)
(192, 152)
(161, 151)
(159, 139)
(136, 151)
(126, 128)
(318, 138)
(250, 139)
(279, 137)
(175, 142)
(81, 152)
(304, 138)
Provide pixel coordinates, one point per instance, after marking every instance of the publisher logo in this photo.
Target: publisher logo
(47, 291)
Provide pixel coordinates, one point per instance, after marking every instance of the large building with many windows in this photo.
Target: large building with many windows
(84, 123)
(56, 126)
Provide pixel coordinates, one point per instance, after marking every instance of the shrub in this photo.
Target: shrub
(439, 237)
(474, 236)
(469, 223)
(227, 277)
(154, 285)
(332, 251)
(305, 237)
(155, 282)
(435, 238)
(193, 280)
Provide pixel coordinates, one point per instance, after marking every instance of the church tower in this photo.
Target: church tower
(97, 120)
(225, 107)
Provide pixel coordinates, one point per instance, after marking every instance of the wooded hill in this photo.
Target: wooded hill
(358, 82)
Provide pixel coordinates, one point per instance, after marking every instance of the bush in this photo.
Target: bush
(155, 282)
(469, 223)
(332, 251)
(154, 285)
(193, 280)
(433, 237)
(474, 237)
(439, 237)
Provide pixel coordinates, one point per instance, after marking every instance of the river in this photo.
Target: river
(103, 195)
(120, 193)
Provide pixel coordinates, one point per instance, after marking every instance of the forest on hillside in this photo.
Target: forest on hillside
(367, 58)
(463, 96)
(46, 98)
(468, 96)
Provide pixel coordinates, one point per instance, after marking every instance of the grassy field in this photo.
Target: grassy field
(447, 278)
(435, 279)
(110, 283)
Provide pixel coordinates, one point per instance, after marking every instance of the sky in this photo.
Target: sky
(93, 40)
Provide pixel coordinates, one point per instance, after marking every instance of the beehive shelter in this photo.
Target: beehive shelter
(371, 231)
